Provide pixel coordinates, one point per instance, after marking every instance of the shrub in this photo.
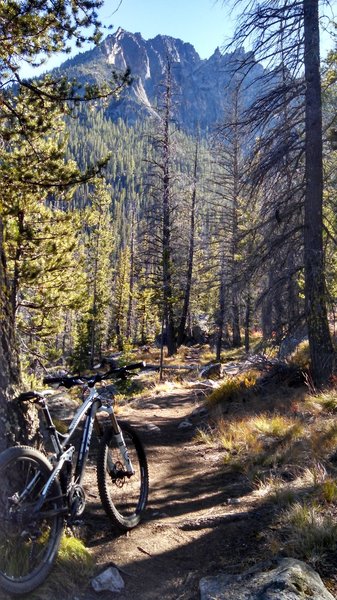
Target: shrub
(233, 388)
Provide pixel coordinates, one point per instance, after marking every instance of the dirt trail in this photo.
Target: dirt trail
(199, 520)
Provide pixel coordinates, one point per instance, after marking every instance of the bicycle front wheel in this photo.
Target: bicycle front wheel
(28, 542)
(123, 496)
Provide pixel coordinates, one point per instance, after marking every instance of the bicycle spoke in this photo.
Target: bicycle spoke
(28, 543)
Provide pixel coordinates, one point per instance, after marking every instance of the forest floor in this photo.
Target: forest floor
(202, 518)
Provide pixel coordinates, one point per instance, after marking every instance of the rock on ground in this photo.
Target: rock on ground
(283, 579)
(110, 579)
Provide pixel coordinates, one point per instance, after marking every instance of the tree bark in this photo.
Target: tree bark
(166, 250)
(222, 311)
(132, 273)
(247, 321)
(236, 334)
(186, 304)
(321, 349)
(18, 423)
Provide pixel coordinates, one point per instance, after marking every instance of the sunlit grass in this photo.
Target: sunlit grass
(252, 438)
(234, 388)
(206, 437)
(74, 557)
(329, 490)
(301, 356)
(262, 444)
(275, 491)
(324, 437)
(278, 426)
(238, 438)
(73, 569)
(74, 565)
(310, 532)
(326, 400)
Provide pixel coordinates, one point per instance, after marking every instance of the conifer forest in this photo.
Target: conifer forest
(123, 227)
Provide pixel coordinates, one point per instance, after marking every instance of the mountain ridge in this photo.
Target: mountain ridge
(202, 87)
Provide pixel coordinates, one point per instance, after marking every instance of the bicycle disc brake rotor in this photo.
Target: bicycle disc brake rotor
(118, 474)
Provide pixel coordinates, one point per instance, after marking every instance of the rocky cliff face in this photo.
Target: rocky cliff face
(201, 88)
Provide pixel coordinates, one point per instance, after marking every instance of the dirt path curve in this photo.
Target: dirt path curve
(199, 521)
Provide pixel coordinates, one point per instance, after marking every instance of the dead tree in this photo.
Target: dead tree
(288, 34)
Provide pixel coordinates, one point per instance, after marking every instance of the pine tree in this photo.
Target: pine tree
(98, 239)
(30, 31)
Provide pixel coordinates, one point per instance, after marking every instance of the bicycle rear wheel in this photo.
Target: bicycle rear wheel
(28, 543)
(123, 497)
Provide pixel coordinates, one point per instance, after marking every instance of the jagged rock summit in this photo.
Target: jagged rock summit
(201, 88)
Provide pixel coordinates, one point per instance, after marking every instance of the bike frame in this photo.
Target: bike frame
(64, 452)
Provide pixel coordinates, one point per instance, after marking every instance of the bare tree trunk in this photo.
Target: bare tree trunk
(267, 310)
(131, 276)
(166, 251)
(222, 311)
(236, 175)
(18, 423)
(247, 322)
(321, 349)
(186, 304)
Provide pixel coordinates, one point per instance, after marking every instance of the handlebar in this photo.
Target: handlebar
(71, 381)
(65, 381)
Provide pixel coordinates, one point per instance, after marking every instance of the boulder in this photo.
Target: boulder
(62, 406)
(282, 579)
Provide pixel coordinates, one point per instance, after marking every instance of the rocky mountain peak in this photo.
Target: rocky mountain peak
(202, 86)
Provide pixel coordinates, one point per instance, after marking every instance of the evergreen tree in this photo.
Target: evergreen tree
(30, 31)
(98, 240)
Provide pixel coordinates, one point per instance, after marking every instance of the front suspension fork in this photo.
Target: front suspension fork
(119, 439)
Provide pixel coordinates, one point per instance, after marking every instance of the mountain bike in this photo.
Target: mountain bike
(40, 492)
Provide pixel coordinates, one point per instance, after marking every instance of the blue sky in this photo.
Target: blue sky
(203, 23)
(206, 24)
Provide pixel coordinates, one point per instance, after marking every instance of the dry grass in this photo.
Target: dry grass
(310, 532)
(288, 455)
(273, 489)
(278, 426)
(326, 401)
(234, 388)
(301, 356)
(284, 439)
(262, 441)
(206, 437)
(74, 565)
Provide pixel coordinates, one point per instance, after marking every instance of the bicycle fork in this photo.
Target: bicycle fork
(119, 439)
